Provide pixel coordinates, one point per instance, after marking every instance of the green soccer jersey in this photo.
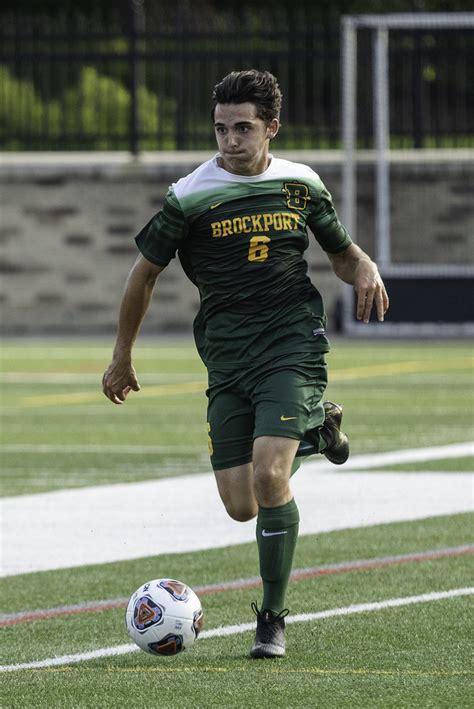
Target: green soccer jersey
(241, 240)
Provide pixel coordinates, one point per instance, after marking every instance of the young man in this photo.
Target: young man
(239, 224)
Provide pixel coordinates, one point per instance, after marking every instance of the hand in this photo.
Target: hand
(119, 380)
(370, 289)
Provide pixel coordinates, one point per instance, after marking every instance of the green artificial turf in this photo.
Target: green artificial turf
(407, 656)
(61, 432)
(58, 432)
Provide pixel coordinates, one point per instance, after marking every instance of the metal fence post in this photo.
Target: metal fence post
(136, 24)
(382, 145)
(417, 92)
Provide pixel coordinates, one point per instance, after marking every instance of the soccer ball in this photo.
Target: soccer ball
(164, 617)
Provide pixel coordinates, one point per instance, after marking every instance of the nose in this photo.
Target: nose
(232, 139)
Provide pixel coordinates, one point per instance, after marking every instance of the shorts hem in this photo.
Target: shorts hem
(231, 463)
(294, 435)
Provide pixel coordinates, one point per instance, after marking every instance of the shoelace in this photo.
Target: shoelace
(274, 618)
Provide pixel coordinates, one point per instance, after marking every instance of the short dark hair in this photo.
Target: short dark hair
(252, 86)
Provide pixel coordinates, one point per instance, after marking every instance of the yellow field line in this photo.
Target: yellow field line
(80, 397)
(367, 371)
(364, 671)
(389, 368)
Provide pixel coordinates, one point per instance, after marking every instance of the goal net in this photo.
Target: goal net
(409, 206)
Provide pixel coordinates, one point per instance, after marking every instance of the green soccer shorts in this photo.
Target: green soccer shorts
(278, 398)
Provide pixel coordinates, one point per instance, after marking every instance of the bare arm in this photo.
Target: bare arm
(355, 267)
(120, 377)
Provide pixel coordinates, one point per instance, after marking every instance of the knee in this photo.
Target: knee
(271, 485)
(241, 512)
(269, 477)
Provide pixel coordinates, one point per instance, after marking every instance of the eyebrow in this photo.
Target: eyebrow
(240, 123)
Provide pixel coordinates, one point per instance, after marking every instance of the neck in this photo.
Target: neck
(246, 169)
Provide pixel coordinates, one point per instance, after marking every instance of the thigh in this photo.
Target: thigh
(230, 423)
(288, 398)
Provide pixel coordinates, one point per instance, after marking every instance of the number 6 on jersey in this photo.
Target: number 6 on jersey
(258, 249)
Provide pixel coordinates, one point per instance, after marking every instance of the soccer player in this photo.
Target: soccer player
(239, 225)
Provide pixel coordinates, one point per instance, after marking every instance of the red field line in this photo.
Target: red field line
(252, 582)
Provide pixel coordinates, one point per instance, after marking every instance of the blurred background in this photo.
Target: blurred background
(103, 104)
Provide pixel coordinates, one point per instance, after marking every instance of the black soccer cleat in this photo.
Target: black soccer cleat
(337, 443)
(270, 635)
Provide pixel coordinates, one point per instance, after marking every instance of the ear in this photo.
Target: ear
(272, 128)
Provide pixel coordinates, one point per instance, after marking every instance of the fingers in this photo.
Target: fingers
(118, 383)
(364, 305)
(112, 392)
(367, 297)
(382, 303)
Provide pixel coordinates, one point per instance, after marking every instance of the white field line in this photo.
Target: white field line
(117, 650)
(77, 527)
(357, 462)
(409, 455)
(60, 378)
(46, 448)
(250, 582)
(187, 351)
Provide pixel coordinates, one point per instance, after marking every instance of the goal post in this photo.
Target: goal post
(398, 274)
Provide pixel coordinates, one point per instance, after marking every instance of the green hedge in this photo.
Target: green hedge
(95, 113)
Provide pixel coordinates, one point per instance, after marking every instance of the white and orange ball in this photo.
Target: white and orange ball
(164, 617)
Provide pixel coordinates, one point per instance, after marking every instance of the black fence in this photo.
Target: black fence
(140, 80)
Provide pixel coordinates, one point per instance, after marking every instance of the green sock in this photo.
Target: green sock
(277, 532)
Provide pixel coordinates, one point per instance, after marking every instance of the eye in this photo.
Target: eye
(220, 129)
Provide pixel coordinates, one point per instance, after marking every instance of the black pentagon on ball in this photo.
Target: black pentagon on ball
(171, 644)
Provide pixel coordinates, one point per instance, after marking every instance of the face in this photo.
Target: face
(243, 138)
